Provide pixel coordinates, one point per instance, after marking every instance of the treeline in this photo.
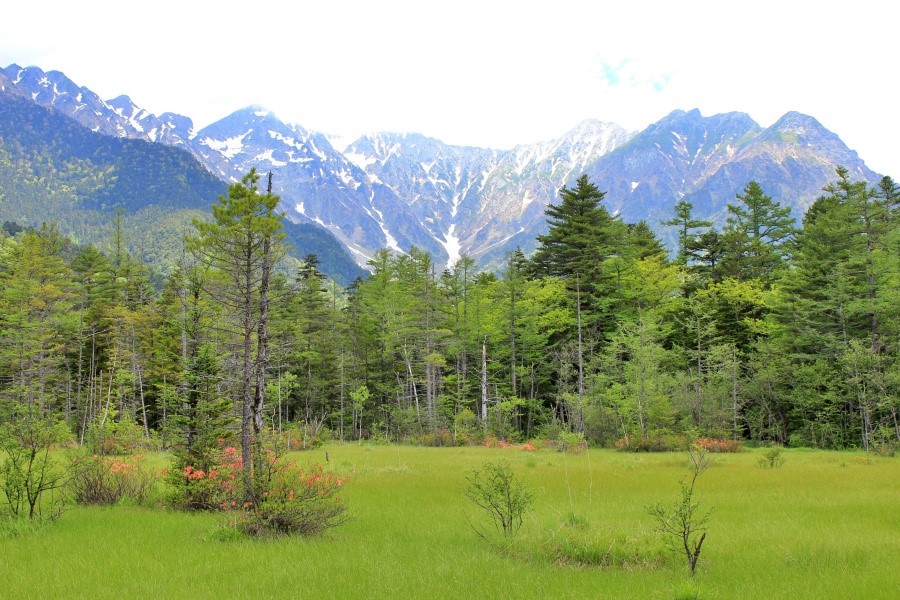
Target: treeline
(763, 330)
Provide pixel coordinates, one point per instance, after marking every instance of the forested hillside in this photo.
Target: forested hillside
(765, 329)
(53, 170)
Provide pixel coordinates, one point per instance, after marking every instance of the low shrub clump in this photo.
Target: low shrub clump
(295, 500)
(718, 444)
(772, 458)
(570, 441)
(663, 442)
(284, 498)
(101, 480)
(496, 490)
(215, 487)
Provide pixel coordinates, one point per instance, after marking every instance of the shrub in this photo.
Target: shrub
(772, 458)
(439, 438)
(662, 442)
(495, 489)
(719, 444)
(884, 442)
(570, 441)
(295, 500)
(29, 471)
(491, 441)
(684, 523)
(111, 437)
(99, 480)
(285, 498)
(218, 486)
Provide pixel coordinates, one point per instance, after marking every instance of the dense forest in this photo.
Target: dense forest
(765, 330)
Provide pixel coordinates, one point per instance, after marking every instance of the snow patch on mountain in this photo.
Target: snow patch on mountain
(526, 200)
(230, 147)
(267, 156)
(390, 240)
(360, 160)
(348, 179)
(290, 141)
(451, 245)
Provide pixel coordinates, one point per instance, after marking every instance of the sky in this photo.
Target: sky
(484, 73)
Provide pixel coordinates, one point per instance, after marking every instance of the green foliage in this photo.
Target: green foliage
(29, 473)
(103, 481)
(571, 442)
(772, 458)
(578, 233)
(295, 501)
(218, 486)
(495, 489)
(660, 442)
(683, 522)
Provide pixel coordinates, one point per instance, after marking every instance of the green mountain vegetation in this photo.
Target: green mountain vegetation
(766, 330)
(53, 170)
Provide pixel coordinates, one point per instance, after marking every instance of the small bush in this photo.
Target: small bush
(884, 442)
(495, 489)
(114, 437)
(491, 441)
(571, 442)
(29, 475)
(98, 480)
(771, 458)
(683, 523)
(653, 443)
(719, 444)
(284, 499)
(296, 501)
(306, 436)
(440, 438)
(215, 488)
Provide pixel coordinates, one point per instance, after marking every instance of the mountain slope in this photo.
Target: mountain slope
(317, 183)
(400, 190)
(54, 170)
(708, 160)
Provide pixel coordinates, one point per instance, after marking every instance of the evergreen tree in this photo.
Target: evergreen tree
(757, 236)
(577, 241)
(242, 243)
(686, 224)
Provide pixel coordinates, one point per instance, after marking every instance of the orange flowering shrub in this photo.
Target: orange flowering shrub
(286, 498)
(296, 500)
(492, 441)
(718, 444)
(208, 489)
(102, 480)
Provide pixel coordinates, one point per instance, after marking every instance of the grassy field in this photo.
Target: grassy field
(823, 525)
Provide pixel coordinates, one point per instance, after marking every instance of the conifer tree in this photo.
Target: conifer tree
(757, 236)
(242, 243)
(577, 240)
(686, 224)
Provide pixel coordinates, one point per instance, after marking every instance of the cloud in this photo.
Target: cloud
(636, 74)
(611, 73)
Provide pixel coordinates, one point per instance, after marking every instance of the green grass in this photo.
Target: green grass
(824, 525)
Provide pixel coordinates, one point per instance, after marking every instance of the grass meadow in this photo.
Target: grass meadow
(823, 525)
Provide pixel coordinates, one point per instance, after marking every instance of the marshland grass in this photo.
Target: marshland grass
(823, 525)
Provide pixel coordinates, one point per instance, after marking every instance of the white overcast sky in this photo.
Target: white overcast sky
(480, 72)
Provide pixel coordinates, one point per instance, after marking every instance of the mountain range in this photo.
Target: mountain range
(398, 190)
